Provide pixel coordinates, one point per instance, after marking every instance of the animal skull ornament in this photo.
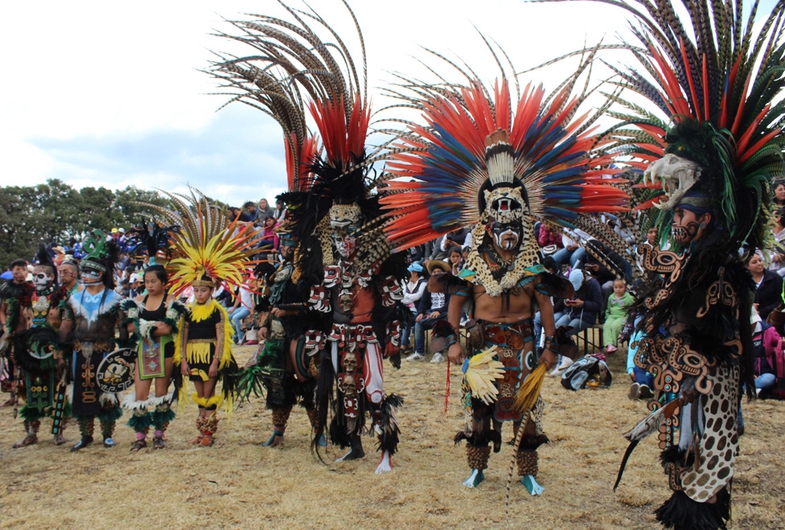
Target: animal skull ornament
(349, 386)
(677, 175)
(350, 362)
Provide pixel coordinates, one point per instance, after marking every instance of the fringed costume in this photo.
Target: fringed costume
(206, 338)
(35, 350)
(153, 350)
(208, 250)
(87, 334)
(343, 253)
(286, 364)
(152, 355)
(711, 139)
(16, 298)
(477, 164)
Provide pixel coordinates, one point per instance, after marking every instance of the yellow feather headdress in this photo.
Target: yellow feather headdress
(208, 246)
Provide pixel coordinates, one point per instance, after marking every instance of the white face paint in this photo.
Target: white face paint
(344, 240)
(42, 279)
(507, 236)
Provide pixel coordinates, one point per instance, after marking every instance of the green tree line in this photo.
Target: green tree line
(57, 211)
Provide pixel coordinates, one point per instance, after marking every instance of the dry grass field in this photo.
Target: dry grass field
(238, 484)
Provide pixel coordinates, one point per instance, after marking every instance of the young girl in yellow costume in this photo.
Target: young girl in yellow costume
(206, 339)
(210, 250)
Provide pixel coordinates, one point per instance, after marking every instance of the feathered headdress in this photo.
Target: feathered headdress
(476, 159)
(446, 163)
(44, 259)
(208, 248)
(100, 255)
(295, 69)
(715, 114)
(265, 82)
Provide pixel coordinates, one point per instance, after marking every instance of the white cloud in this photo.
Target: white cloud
(110, 93)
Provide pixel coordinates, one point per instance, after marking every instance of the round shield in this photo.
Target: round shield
(37, 349)
(116, 371)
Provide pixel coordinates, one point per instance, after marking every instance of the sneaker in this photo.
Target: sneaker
(635, 391)
(437, 357)
(611, 349)
(646, 392)
(416, 357)
(564, 363)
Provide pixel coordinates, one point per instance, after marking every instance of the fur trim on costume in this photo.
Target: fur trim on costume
(131, 404)
(110, 414)
(323, 396)
(531, 443)
(155, 401)
(29, 413)
(480, 439)
(682, 513)
(108, 399)
(388, 439)
(140, 421)
(210, 403)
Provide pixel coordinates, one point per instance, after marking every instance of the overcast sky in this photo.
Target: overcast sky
(99, 93)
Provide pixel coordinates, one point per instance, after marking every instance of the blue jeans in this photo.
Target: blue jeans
(406, 330)
(643, 377)
(765, 381)
(576, 324)
(237, 321)
(419, 331)
(563, 256)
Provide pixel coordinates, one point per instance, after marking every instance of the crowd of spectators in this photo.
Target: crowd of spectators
(601, 285)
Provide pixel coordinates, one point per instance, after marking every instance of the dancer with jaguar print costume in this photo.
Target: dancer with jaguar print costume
(474, 164)
(711, 139)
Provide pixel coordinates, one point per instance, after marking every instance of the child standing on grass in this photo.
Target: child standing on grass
(618, 307)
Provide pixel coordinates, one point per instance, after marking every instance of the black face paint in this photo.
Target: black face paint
(507, 236)
(685, 226)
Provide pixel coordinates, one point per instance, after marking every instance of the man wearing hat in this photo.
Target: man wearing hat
(431, 309)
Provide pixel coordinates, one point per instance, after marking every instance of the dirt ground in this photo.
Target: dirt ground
(238, 484)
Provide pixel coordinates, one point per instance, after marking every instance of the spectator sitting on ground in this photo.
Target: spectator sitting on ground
(431, 309)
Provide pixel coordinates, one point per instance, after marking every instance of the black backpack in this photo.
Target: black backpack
(588, 371)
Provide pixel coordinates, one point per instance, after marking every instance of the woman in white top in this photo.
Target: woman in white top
(413, 291)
